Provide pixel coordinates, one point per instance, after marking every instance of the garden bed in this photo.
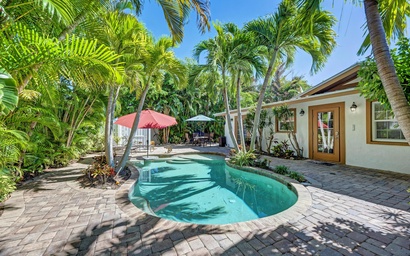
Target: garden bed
(100, 175)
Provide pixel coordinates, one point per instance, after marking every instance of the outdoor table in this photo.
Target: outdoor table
(201, 139)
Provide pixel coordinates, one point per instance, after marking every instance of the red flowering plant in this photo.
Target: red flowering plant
(99, 171)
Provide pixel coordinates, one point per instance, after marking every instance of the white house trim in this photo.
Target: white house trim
(358, 151)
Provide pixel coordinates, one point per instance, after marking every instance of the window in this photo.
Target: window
(288, 124)
(384, 128)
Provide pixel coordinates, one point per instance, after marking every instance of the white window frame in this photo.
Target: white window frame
(278, 122)
(374, 125)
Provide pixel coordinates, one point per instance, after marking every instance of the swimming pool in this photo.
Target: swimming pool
(202, 189)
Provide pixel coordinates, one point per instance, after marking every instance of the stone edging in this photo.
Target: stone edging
(303, 203)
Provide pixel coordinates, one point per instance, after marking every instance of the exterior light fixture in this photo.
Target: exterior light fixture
(302, 112)
(353, 107)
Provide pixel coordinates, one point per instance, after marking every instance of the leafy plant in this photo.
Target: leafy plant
(243, 158)
(284, 170)
(370, 85)
(297, 176)
(281, 169)
(261, 163)
(282, 149)
(7, 184)
(99, 171)
(8, 92)
(289, 153)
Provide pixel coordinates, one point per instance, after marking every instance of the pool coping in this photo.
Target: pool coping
(293, 213)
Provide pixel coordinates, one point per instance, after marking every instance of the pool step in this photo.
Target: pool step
(179, 161)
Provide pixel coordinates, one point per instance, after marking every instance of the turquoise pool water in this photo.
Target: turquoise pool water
(202, 189)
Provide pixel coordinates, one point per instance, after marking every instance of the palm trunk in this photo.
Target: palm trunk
(127, 151)
(386, 69)
(109, 123)
(238, 106)
(228, 114)
(260, 100)
(260, 132)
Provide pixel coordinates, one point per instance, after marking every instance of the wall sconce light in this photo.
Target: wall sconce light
(353, 107)
(302, 112)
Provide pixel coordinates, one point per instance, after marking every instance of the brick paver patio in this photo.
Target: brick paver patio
(354, 211)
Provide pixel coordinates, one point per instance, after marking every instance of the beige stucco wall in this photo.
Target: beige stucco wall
(358, 152)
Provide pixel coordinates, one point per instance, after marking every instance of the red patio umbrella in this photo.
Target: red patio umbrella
(319, 123)
(148, 119)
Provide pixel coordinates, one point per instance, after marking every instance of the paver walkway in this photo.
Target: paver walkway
(355, 211)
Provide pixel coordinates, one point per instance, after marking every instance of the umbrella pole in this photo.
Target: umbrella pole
(147, 148)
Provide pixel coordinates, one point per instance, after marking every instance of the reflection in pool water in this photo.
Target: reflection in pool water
(202, 189)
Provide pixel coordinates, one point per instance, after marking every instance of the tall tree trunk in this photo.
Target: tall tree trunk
(238, 106)
(228, 114)
(260, 100)
(127, 151)
(386, 69)
(109, 123)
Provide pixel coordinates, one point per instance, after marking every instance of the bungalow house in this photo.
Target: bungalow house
(333, 123)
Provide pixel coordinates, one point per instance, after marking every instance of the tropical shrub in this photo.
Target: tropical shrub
(99, 171)
(281, 169)
(8, 92)
(282, 149)
(297, 176)
(7, 184)
(284, 170)
(243, 158)
(96, 142)
(370, 85)
(260, 163)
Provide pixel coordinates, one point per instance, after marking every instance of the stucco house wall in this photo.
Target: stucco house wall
(357, 152)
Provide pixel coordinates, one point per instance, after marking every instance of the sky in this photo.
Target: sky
(349, 30)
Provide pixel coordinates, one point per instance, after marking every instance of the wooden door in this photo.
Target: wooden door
(327, 132)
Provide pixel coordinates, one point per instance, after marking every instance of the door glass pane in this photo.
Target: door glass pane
(325, 132)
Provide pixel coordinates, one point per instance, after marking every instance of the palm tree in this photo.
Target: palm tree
(283, 33)
(384, 19)
(248, 65)
(126, 37)
(282, 88)
(65, 16)
(224, 54)
(176, 12)
(157, 60)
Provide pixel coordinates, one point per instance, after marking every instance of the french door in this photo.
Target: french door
(327, 140)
